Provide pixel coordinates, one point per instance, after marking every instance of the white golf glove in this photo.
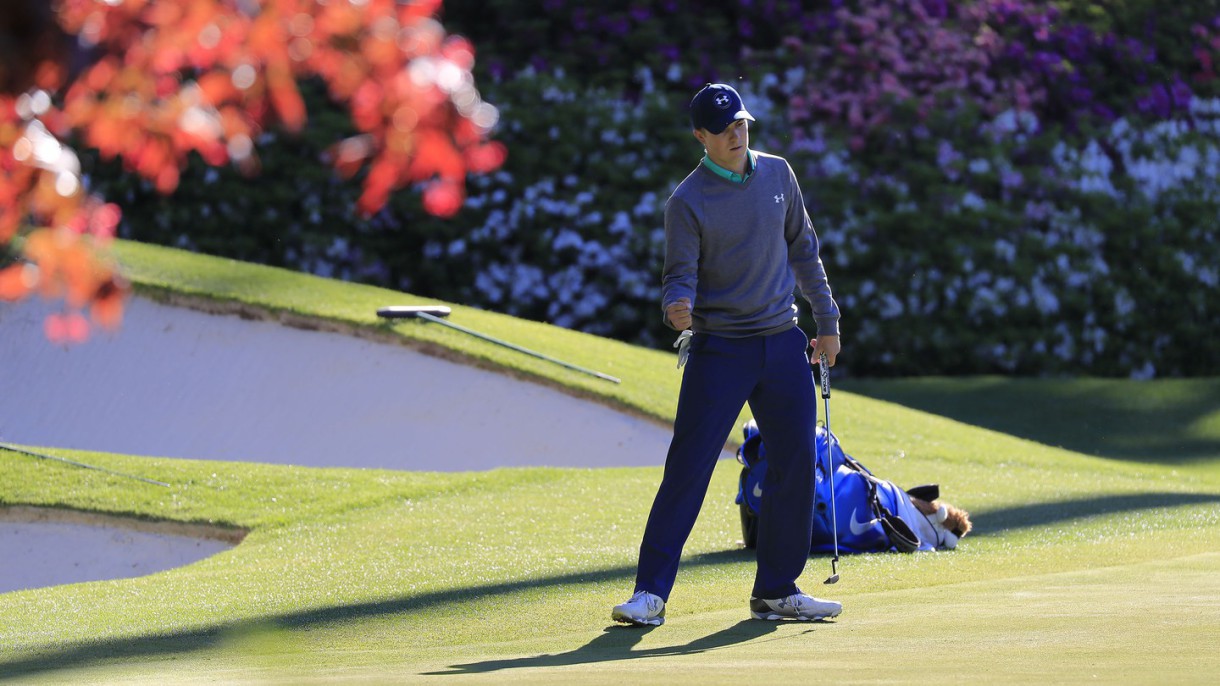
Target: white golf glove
(683, 346)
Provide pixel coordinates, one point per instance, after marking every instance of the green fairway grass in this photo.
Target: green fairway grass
(1090, 561)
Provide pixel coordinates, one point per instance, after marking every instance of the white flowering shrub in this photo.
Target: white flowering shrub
(570, 231)
(999, 247)
(962, 233)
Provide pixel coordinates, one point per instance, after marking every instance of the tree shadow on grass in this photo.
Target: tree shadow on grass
(614, 644)
(617, 643)
(185, 642)
(1034, 515)
(1169, 421)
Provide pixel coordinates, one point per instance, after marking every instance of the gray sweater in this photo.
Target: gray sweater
(738, 250)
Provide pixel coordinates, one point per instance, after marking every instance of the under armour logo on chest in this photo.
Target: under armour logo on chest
(779, 198)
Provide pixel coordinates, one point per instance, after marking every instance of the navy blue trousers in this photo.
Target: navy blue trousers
(772, 374)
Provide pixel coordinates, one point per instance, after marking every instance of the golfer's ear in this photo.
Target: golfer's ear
(699, 136)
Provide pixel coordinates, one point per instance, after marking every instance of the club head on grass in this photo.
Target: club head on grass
(412, 311)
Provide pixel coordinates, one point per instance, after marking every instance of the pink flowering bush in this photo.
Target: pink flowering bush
(871, 59)
(1000, 186)
(1011, 186)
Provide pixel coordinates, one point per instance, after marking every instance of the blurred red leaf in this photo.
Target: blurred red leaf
(17, 281)
(175, 76)
(69, 327)
(487, 157)
(443, 198)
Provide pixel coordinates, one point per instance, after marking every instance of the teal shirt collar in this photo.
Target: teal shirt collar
(751, 164)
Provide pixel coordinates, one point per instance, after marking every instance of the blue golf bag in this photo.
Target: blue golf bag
(873, 515)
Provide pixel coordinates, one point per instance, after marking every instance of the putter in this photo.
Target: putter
(824, 369)
(434, 313)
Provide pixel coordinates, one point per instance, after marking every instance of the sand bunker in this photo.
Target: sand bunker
(175, 382)
(48, 547)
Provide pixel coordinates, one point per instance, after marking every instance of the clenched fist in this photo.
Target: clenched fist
(678, 313)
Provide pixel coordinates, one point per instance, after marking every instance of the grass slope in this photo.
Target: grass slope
(1089, 564)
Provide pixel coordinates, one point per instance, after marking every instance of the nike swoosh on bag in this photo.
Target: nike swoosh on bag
(858, 527)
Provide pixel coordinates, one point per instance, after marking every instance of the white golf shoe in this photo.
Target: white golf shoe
(643, 608)
(797, 606)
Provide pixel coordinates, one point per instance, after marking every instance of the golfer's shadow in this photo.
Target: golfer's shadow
(616, 643)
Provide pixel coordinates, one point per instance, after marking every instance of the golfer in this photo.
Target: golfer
(737, 243)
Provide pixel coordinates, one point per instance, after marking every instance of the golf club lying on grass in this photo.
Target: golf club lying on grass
(74, 463)
(434, 313)
(824, 369)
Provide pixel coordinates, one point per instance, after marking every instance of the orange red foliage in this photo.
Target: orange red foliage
(175, 76)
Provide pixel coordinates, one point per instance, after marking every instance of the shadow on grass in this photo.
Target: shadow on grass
(184, 642)
(614, 644)
(1033, 515)
(1170, 421)
(617, 643)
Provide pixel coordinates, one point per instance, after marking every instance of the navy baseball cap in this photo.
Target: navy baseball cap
(716, 106)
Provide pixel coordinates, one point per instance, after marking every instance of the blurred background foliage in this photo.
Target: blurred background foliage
(1013, 187)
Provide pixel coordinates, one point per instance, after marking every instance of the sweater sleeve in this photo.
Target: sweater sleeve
(806, 263)
(682, 244)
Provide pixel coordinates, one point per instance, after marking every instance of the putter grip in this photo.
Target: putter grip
(824, 371)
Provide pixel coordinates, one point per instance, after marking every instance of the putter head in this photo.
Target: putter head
(834, 571)
(412, 311)
(834, 579)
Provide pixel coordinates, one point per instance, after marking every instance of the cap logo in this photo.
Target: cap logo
(723, 101)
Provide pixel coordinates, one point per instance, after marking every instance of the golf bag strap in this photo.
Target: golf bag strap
(901, 536)
(900, 533)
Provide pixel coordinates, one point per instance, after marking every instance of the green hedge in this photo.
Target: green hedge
(1040, 200)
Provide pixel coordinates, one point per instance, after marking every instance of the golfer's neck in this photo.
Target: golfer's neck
(735, 164)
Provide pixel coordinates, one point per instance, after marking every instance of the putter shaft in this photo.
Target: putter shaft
(824, 369)
(506, 344)
(82, 465)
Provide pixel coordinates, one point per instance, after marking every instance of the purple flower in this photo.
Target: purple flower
(641, 14)
(1076, 42)
(1047, 61)
(1181, 94)
(946, 155)
(580, 20)
(1103, 112)
(936, 9)
(1156, 103)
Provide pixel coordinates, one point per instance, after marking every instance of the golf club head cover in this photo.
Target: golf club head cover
(928, 492)
(900, 533)
(948, 538)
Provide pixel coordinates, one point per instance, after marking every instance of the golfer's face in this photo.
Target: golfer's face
(728, 148)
